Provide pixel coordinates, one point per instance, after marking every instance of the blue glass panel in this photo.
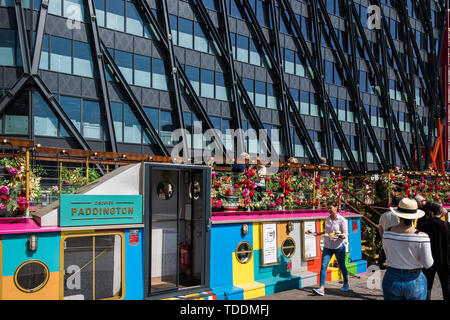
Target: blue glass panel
(45, 57)
(207, 79)
(125, 63)
(185, 33)
(131, 126)
(45, 121)
(159, 78)
(142, 75)
(115, 15)
(134, 22)
(200, 41)
(166, 127)
(72, 107)
(100, 12)
(7, 47)
(260, 94)
(221, 90)
(55, 7)
(193, 75)
(117, 114)
(60, 54)
(82, 59)
(91, 120)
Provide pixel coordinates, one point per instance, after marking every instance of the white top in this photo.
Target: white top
(338, 224)
(407, 251)
(388, 219)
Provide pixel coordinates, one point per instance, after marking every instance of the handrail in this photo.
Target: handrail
(360, 201)
(373, 225)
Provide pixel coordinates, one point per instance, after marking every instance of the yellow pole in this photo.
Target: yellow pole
(27, 178)
(314, 189)
(107, 168)
(87, 170)
(60, 178)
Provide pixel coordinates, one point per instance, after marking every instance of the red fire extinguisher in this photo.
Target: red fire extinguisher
(289, 265)
(185, 256)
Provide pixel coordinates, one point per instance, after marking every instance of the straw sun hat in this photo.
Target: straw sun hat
(407, 209)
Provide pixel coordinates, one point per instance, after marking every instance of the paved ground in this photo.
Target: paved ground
(359, 291)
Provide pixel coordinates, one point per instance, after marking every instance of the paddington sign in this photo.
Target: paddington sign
(94, 210)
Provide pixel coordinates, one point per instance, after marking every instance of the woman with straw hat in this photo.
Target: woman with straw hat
(407, 251)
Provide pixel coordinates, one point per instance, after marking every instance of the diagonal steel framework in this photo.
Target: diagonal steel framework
(395, 133)
(432, 85)
(236, 103)
(353, 64)
(282, 84)
(226, 56)
(136, 106)
(417, 124)
(174, 75)
(98, 58)
(271, 50)
(328, 109)
(288, 102)
(361, 111)
(148, 17)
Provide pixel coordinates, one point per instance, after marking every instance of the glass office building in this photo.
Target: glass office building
(354, 81)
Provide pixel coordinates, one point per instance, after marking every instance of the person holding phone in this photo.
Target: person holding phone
(337, 225)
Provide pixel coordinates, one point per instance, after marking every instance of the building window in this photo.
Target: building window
(200, 41)
(72, 107)
(142, 74)
(193, 74)
(185, 33)
(7, 47)
(91, 120)
(131, 126)
(60, 54)
(244, 252)
(16, 116)
(82, 59)
(115, 12)
(260, 94)
(207, 86)
(125, 63)
(45, 121)
(166, 127)
(221, 90)
(134, 22)
(117, 114)
(100, 12)
(159, 78)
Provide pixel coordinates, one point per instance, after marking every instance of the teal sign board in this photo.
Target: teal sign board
(99, 210)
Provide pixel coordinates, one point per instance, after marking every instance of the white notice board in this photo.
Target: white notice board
(309, 241)
(269, 244)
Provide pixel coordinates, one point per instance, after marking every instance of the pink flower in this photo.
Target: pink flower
(4, 190)
(254, 185)
(2, 206)
(13, 171)
(218, 204)
(279, 201)
(272, 204)
(213, 174)
(245, 192)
